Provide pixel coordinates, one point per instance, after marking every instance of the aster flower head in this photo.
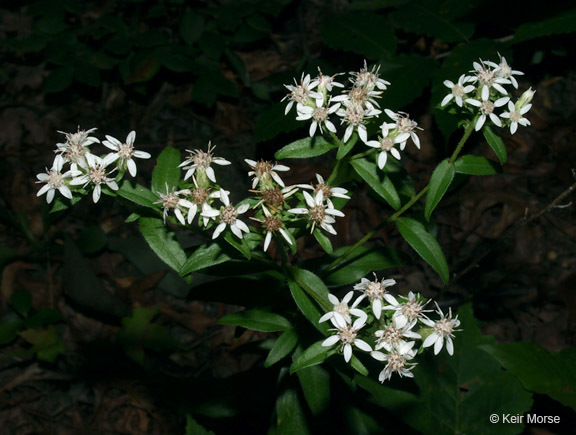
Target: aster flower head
(393, 335)
(442, 331)
(369, 79)
(56, 180)
(515, 116)
(275, 197)
(272, 224)
(355, 115)
(171, 200)
(386, 143)
(200, 198)
(228, 215)
(76, 146)
(347, 335)
(199, 162)
(96, 175)
(340, 316)
(403, 124)
(457, 90)
(265, 173)
(487, 107)
(319, 116)
(319, 214)
(486, 75)
(302, 94)
(505, 71)
(375, 292)
(408, 311)
(327, 191)
(125, 152)
(397, 361)
(327, 83)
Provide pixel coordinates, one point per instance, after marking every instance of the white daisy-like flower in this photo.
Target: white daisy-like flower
(228, 217)
(56, 180)
(369, 79)
(354, 115)
(387, 142)
(458, 90)
(200, 198)
(403, 124)
(275, 197)
(76, 145)
(302, 94)
(488, 78)
(272, 224)
(408, 311)
(125, 152)
(171, 201)
(327, 191)
(319, 116)
(264, 171)
(375, 291)
(96, 175)
(516, 116)
(347, 336)
(318, 213)
(340, 314)
(487, 109)
(504, 70)
(326, 83)
(200, 161)
(398, 361)
(393, 335)
(443, 329)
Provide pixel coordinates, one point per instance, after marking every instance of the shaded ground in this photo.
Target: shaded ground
(519, 272)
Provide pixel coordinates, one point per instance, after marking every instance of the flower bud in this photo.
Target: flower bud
(525, 99)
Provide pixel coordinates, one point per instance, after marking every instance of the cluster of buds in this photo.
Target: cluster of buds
(484, 91)
(76, 169)
(356, 107)
(389, 327)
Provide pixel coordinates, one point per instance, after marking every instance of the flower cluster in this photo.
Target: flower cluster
(76, 169)
(356, 107)
(484, 91)
(389, 328)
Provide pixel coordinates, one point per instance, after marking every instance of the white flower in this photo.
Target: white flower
(275, 197)
(407, 312)
(516, 117)
(397, 361)
(172, 201)
(302, 94)
(96, 175)
(386, 144)
(326, 83)
(404, 125)
(272, 224)
(125, 152)
(340, 314)
(369, 79)
(458, 90)
(76, 145)
(264, 172)
(319, 116)
(228, 216)
(487, 109)
(327, 191)
(354, 115)
(347, 336)
(319, 213)
(56, 180)
(392, 336)
(504, 70)
(200, 198)
(375, 291)
(200, 161)
(488, 78)
(443, 329)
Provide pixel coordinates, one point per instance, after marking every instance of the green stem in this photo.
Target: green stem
(467, 133)
(334, 173)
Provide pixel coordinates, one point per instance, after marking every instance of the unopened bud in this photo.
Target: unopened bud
(525, 99)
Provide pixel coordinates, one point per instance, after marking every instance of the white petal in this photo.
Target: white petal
(347, 352)
(242, 226)
(361, 344)
(218, 230)
(236, 230)
(131, 167)
(131, 138)
(267, 243)
(449, 346)
(65, 191)
(430, 340)
(382, 159)
(141, 155)
(438, 345)
(96, 193)
(210, 174)
(377, 308)
(331, 340)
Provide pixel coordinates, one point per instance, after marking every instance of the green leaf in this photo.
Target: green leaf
(562, 23)
(358, 366)
(315, 383)
(360, 263)
(139, 194)
(305, 148)
(144, 67)
(162, 242)
(21, 301)
(313, 285)
(282, 347)
(345, 148)
(193, 428)
(495, 143)
(323, 240)
(370, 35)
(439, 183)
(306, 306)
(475, 165)
(290, 418)
(377, 180)
(314, 355)
(166, 173)
(209, 86)
(204, 256)
(9, 330)
(191, 27)
(46, 343)
(386, 397)
(424, 244)
(539, 371)
(257, 320)
(59, 79)
(271, 121)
